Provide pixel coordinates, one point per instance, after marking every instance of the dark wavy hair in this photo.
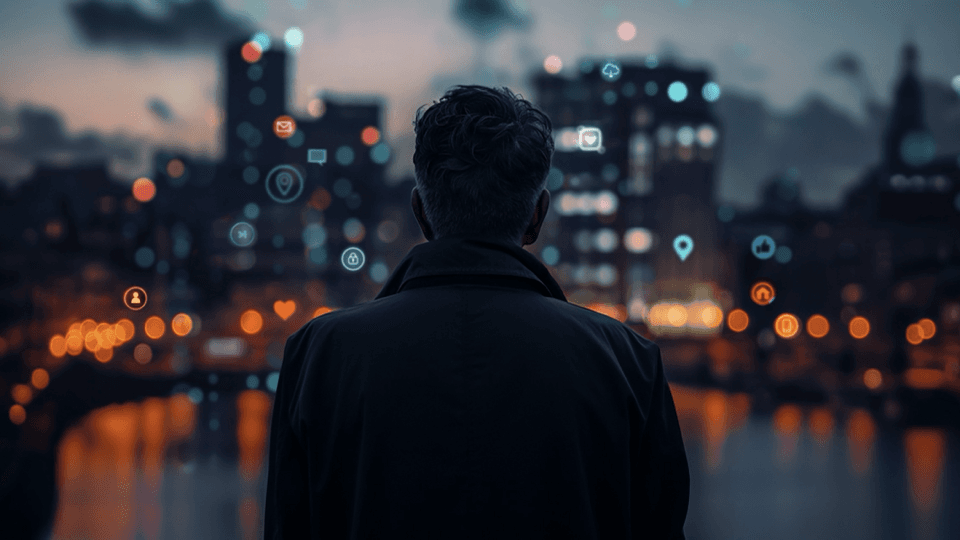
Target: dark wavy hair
(481, 161)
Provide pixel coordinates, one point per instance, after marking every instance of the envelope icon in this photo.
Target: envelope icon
(284, 126)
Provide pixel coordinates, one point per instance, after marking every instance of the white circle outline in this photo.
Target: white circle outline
(270, 175)
(343, 258)
(144, 291)
(252, 228)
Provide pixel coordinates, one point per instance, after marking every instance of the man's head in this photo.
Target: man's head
(481, 164)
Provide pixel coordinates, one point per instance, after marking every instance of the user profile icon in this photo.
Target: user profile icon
(284, 183)
(135, 298)
(352, 259)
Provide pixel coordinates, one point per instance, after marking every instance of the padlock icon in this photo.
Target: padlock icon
(352, 259)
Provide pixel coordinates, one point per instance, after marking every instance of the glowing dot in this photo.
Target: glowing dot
(181, 324)
(144, 190)
(261, 39)
(142, 353)
(859, 327)
(786, 325)
(144, 257)
(344, 155)
(175, 168)
(251, 321)
(154, 327)
(104, 354)
(380, 154)
(818, 326)
(552, 64)
(294, 37)
(928, 327)
(58, 346)
(370, 135)
(711, 316)
(626, 31)
(40, 378)
(18, 414)
(711, 91)
(872, 378)
(638, 240)
(651, 88)
(21, 393)
(353, 230)
(677, 91)
(677, 315)
(707, 136)
(652, 61)
(251, 51)
(956, 83)
(125, 330)
(914, 334)
(316, 107)
(685, 135)
(737, 320)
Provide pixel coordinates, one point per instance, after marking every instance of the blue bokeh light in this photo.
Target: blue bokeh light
(344, 155)
(711, 91)
(144, 257)
(677, 91)
(293, 37)
(380, 153)
(550, 255)
(262, 39)
(251, 211)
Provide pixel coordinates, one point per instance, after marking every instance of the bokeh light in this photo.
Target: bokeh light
(552, 64)
(251, 321)
(711, 316)
(125, 329)
(154, 327)
(872, 378)
(142, 353)
(175, 168)
(144, 190)
(738, 320)
(677, 91)
(859, 327)
(711, 91)
(40, 378)
(927, 327)
(914, 334)
(104, 354)
(293, 37)
(18, 414)
(251, 51)
(58, 346)
(370, 135)
(626, 31)
(21, 393)
(261, 39)
(181, 324)
(818, 326)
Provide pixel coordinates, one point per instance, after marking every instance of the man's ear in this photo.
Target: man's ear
(417, 204)
(539, 213)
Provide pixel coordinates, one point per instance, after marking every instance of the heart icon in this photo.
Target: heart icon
(589, 138)
(284, 183)
(284, 309)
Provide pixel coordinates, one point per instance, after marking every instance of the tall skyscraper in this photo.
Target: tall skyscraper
(652, 180)
(255, 94)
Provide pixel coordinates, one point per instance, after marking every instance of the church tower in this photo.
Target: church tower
(907, 142)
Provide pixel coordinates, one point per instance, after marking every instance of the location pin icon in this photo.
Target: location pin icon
(284, 182)
(683, 245)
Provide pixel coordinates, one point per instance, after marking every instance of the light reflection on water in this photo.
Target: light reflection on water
(158, 469)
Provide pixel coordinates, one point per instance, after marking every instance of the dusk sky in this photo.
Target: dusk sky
(401, 50)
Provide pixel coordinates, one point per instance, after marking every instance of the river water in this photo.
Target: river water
(174, 469)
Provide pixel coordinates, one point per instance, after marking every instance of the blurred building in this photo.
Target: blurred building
(652, 179)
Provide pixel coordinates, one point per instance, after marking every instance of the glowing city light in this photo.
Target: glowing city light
(859, 327)
(677, 91)
(181, 324)
(928, 327)
(154, 327)
(818, 326)
(626, 31)
(144, 189)
(293, 37)
(40, 378)
(872, 378)
(251, 321)
(711, 91)
(914, 334)
(738, 320)
(552, 64)
(370, 135)
(251, 51)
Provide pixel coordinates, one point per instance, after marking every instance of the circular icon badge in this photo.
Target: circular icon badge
(763, 247)
(284, 127)
(243, 234)
(762, 293)
(352, 259)
(284, 183)
(135, 298)
(786, 325)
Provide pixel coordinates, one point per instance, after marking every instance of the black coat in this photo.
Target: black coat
(470, 400)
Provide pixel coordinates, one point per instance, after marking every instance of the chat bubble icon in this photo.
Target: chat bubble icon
(317, 155)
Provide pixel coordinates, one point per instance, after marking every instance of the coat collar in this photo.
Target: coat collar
(471, 256)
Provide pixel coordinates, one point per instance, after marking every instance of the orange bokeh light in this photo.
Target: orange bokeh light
(818, 326)
(125, 330)
(40, 378)
(859, 327)
(251, 321)
(872, 378)
(370, 135)
(914, 334)
(181, 324)
(144, 190)
(18, 414)
(928, 327)
(142, 353)
(786, 325)
(58, 346)
(737, 320)
(104, 354)
(22, 393)
(711, 316)
(154, 327)
(251, 51)
(322, 311)
(762, 293)
(175, 168)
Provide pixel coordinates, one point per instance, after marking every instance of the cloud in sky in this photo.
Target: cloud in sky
(196, 24)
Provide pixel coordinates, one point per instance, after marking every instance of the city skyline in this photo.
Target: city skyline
(159, 109)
